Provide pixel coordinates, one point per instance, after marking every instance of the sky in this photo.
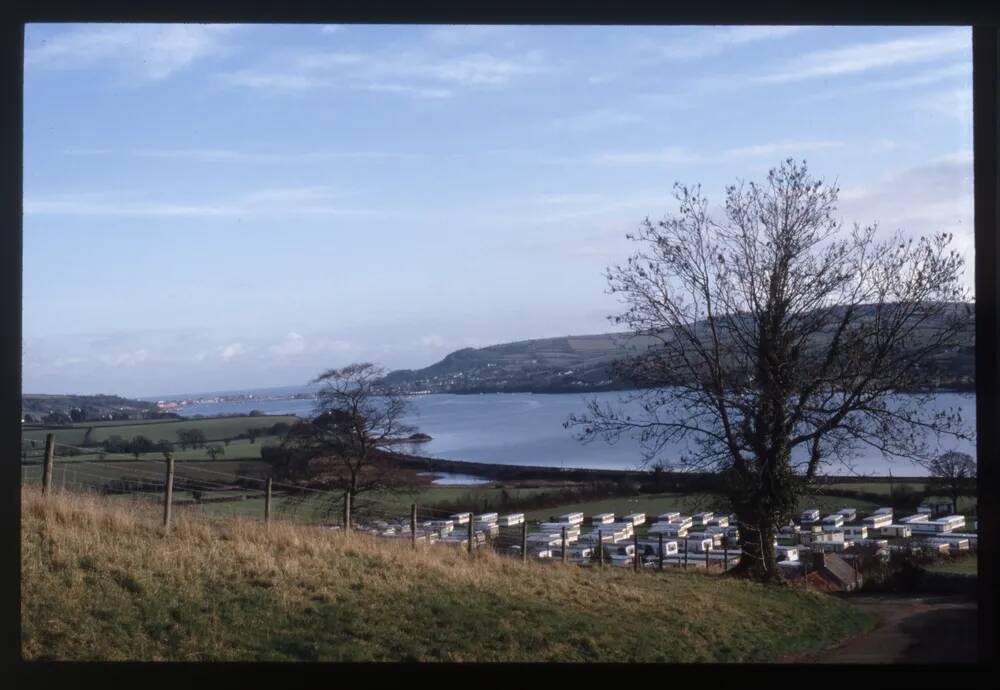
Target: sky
(221, 207)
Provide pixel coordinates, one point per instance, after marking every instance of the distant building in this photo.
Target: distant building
(831, 573)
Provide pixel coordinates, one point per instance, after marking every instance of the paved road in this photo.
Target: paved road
(922, 629)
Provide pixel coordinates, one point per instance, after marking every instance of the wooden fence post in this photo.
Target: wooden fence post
(347, 512)
(725, 554)
(707, 564)
(686, 541)
(600, 547)
(50, 449)
(471, 533)
(635, 547)
(563, 544)
(413, 525)
(168, 491)
(267, 501)
(661, 551)
(524, 541)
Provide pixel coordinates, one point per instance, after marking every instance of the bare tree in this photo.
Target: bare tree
(356, 420)
(779, 341)
(954, 473)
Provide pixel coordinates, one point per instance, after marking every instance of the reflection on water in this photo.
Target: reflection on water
(451, 478)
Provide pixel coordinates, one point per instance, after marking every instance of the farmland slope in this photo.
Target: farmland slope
(102, 581)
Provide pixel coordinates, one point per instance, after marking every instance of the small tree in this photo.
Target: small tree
(253, 433)
(140, 444)
(116, 444)
(954, 474)
(356, 418)
(57, 419)
(215, 451)
(191, 437)
(768, 343)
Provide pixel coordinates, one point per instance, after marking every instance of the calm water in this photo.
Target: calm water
(526, 429)
(453, 479)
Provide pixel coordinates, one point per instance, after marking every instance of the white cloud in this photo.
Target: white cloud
(60, 362)
(673, 155)
(332, 28)
(321, 344)
(293, 344)
(125, 359)
(460, 35)
(952, 103)
(680, 156)
(147, 52)
(780, 149)
(885, 146)
(408, 90)
(433, 340)
(594, 120)
(922, 200)
(863, 57)
(413, 73)
(568, 198)
(475, 69)
(228, 352)
(954, 71)
(305, 201)
(707, 42)
(281, 82)
(214, 155)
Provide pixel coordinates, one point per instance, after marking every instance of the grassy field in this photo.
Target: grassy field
(110, 469)
(966, 564)
(216, 429)
(382, 504)
(102, 581)
(240, 449)
(883, 487)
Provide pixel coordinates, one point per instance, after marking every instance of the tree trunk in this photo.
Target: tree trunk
(758, 560)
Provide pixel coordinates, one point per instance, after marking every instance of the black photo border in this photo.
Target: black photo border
(982, 17)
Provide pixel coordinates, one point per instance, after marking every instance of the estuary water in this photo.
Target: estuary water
(527, 429)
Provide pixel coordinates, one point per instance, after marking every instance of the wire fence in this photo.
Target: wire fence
(712, 546)
(217, 493)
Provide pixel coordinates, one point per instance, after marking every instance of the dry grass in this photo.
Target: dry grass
(103, 580)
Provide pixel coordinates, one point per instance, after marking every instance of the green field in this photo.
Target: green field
(878, 487)
(966, 564)
(94, 473)
(101, 580)
(216, 429)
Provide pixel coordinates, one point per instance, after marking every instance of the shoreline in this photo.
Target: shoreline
(502, 472)
(960, 388)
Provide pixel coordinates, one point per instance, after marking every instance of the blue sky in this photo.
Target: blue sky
(223, 207)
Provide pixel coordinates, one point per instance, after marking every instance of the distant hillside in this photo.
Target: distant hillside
(585, 363)
(66, 408)
(568, 363)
